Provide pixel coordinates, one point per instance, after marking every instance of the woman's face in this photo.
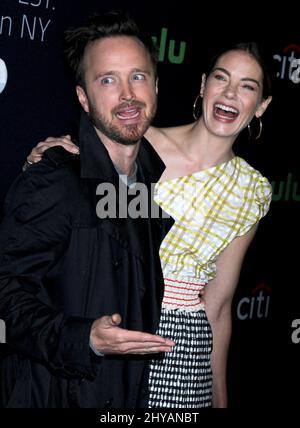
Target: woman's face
(232, 94)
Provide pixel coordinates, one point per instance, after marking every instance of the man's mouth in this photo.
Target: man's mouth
(128, 113)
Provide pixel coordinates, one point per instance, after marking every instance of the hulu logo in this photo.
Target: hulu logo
(285, 190)
(2, 332)
(164, 47)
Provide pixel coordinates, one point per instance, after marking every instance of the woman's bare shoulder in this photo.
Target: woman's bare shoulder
(157, 136)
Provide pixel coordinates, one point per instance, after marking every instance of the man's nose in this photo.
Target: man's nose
(127, 93)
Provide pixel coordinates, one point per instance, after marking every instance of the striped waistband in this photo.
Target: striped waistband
(183, 293)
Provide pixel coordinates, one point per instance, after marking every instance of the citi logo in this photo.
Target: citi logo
(174, 53)
(255, 306)
(3, 75)
(288, 63)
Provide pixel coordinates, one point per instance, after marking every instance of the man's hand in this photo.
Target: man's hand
(37, 152)
(109, 338)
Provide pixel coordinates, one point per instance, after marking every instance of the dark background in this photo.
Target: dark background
(39, 100)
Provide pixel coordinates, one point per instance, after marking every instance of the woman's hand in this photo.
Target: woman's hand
(37, 152)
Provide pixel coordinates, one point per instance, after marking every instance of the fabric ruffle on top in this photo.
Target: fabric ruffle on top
(210, 208)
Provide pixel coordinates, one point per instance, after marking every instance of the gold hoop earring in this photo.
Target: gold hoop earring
(196, 111)
(259, 132)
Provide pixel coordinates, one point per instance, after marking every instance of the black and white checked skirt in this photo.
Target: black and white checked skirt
(183, 378)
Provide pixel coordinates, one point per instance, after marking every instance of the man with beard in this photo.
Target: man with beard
(81, 295)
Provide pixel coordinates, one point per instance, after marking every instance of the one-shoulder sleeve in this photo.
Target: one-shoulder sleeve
(263, 196)
(258, 204)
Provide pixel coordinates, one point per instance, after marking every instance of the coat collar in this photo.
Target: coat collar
(96, 162)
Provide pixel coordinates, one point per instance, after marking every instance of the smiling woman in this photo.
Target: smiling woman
(3, 75)
(202, 254)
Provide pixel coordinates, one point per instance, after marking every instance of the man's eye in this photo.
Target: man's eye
(107, 80)
(138, 77)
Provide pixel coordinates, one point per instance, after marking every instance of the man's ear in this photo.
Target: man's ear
(263, 106)
(203, 81)
(82, 98)
(156, 86)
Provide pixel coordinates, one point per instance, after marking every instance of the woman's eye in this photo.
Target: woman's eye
(249, 87)
(219, 77)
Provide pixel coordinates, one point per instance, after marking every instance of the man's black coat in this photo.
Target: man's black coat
(61, 267)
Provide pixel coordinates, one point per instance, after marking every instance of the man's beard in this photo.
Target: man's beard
(123, 134)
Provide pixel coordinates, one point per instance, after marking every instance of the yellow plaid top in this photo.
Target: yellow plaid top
(210, 208)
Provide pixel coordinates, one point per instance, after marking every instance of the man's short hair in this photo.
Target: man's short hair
(100, 26)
